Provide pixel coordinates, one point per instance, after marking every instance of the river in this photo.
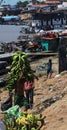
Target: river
(9, 33)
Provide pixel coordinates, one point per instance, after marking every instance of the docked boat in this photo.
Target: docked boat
(48, 42)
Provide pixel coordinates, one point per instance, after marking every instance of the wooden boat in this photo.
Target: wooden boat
(48, 43)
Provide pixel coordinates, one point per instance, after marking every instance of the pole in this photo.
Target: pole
(62, 56)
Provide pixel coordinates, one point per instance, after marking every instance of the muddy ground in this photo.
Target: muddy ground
(50, 95)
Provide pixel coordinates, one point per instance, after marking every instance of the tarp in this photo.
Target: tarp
(64, 32)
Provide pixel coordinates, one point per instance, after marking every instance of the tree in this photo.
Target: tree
(22, 4)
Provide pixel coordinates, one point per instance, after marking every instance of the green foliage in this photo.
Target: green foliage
(25, 121)
(22, 4)
(20, 66)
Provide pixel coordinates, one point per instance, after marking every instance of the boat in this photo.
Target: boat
(48, 43)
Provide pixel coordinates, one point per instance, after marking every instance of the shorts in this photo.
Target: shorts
(49, 71)
(20, 100)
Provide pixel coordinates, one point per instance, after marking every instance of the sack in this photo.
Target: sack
(13, 111)
(7, 104)
(27, 85)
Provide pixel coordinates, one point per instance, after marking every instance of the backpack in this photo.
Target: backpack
(7, 104)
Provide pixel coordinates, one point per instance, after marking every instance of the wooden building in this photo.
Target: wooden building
(55, 18)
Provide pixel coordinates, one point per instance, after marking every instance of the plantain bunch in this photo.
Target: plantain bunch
(23, 121)
(20, 66)
(30, 122)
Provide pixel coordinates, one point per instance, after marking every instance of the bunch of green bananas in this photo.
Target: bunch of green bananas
(20, 66)
(24, 121)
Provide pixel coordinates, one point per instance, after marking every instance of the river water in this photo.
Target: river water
(9, 33)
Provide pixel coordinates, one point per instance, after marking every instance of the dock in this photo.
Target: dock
(5, 56)
(42, 54)
(9, 55)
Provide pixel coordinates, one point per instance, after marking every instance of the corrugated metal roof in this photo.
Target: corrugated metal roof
(38, 5)
(53, 2)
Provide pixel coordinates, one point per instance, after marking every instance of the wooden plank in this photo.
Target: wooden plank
(42, 53)
(8, 55)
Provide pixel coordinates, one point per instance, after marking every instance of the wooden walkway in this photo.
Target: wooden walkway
(8, 55)
(5, 56)
(42, 54)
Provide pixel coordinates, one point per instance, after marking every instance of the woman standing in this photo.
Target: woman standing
(29, 88)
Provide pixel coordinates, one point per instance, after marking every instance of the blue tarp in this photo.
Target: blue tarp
(8, 18)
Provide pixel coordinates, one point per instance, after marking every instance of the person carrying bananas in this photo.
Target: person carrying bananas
(19, 98)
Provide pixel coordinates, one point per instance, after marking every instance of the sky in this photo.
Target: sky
(12, 2)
